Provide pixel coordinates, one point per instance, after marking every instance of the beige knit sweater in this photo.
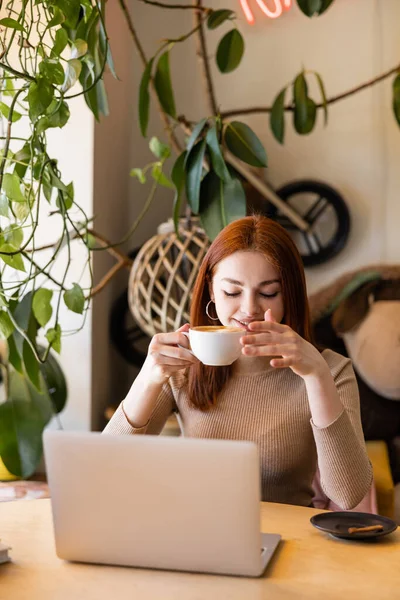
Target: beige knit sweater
(271, 409)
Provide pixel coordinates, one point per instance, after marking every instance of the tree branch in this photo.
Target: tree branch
(172, 137)
(16, 73)
(267, 109)
(123, 261)
(203, 58)
(177, 6)
(107, 277)
(115, 252)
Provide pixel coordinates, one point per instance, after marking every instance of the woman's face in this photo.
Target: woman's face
(244, 286)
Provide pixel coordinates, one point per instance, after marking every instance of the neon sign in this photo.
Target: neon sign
(272, 13)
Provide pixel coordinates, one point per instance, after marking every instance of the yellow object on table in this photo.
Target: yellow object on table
(5, 474)
(379, 457)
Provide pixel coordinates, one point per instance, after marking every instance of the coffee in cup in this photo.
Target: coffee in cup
(215, 345)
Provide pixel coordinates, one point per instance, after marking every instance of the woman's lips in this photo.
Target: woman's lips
(242, 324)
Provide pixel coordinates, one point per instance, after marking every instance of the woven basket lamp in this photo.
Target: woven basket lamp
(163, 274)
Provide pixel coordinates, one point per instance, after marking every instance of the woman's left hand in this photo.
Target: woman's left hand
(269, 338)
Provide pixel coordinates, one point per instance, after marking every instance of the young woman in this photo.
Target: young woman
(299, 405)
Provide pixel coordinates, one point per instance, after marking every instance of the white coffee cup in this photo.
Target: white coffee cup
(215, 346)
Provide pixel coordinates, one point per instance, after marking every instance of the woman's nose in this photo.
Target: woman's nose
(250, 305)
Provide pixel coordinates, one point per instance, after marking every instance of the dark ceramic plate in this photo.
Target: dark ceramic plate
(338, 523)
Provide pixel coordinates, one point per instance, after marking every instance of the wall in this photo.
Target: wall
(75, 158)
(356, 153)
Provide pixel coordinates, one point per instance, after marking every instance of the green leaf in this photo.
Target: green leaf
(230, 51)
(314, 7)
(197, 129)
(57, 18)
(60, 42)
(4, 206)
(22, 210)
(31, 365)
(217, 159)
(58, 116)
(96, 99)
(323, 96)
(325, 4)
(41, 51)
(12, 234)
(310, 7)
(277, 117)
(144, 98)
(139, 173)
(220, 203)
(72, 73)
(52, 71)
(178, 178)
(306, 127)
(110, 61)
(74, 299)
(11, 187)
(163, 86)
(160, 150)
(13, 355)
(160, 177)
(53, 336)
(25, 318)
(41, 306)
(65, 198)
(79, 48)
(217, 17)
(21, 427)
(9, 89)
(5, 111)
(243, 143)
(11, 24)
(39, 97)
(12, 260)
(22, 156)
(54, 379)
(22, 420)
(90, 241)
(396, 98)
(55, 180)
(71, 10)
(300, 96)
(6, 325)
(194, 169)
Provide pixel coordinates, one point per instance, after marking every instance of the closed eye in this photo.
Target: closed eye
(263, 295)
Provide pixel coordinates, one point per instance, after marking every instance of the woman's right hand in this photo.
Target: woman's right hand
(164, 356)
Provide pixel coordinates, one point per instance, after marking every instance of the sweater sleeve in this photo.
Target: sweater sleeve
(164, 406)
(346, 473)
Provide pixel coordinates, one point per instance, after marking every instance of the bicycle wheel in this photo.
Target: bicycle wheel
(128, 338)
(325, 211)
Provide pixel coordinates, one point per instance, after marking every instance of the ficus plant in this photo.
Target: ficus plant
(202, 171)
(50, 52)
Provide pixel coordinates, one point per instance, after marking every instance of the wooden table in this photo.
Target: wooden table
(309, 564)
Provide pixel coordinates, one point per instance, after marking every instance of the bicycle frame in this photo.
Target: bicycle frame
(267, 192)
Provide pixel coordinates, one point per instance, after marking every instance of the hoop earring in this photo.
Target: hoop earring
(208, 314)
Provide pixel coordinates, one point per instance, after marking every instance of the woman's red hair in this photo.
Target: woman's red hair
(256, 234)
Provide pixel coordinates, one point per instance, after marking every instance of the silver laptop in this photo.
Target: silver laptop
(159, 502)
